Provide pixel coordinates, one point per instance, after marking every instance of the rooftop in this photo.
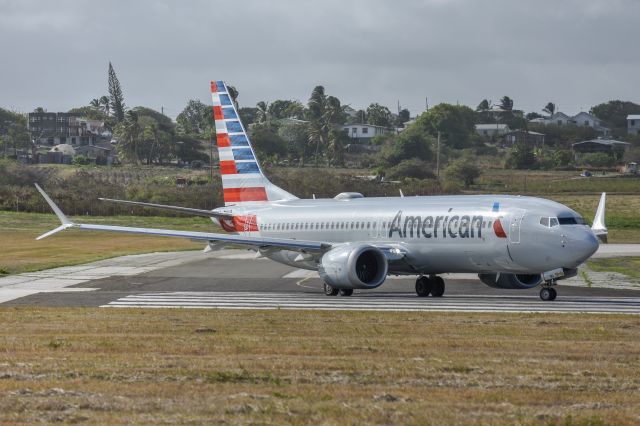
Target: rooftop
(609, 142)
(633, 117)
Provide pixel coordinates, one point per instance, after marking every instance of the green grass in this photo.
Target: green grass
(629, 266)
(20, 252)
(113, 366)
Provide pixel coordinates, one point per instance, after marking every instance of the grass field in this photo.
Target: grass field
(19, 252)
(110, 366)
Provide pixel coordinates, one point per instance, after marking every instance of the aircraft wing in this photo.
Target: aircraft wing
(257, 242)
(195, 212)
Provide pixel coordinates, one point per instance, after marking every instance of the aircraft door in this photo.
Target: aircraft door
(374, 229)
(514, 227)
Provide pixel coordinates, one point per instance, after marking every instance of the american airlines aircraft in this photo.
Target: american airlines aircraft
(353, 242)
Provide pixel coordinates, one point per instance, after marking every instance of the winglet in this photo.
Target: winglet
(66, 223)
(599, 228)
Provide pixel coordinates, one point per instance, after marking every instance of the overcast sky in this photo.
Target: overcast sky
(576, 53)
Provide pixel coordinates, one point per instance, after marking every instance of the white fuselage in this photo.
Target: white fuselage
(487, 233)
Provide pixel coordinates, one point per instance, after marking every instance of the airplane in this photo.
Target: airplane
(355, 242)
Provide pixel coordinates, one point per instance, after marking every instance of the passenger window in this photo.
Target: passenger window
(544, 221)
(553, 221)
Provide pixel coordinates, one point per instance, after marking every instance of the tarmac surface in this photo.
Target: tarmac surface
(234, 279)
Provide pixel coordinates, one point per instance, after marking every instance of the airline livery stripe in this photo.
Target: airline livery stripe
(217, 87)
(240, 180)
(245, 194)
(247, 168)
(225, 154)
(229, 113)
(217, 113)
(225, 99)
(233, 126)
(228, 167)
(239, 140)
(223, 140)
(243, 154)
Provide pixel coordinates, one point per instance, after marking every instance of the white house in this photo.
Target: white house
(492, 130)
(580, 119)
(364, 132)
(633, 124)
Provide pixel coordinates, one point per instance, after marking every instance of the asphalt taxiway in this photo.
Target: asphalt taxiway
(233, 279)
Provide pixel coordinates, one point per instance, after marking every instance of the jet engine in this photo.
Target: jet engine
(511, 281)
(352, 266)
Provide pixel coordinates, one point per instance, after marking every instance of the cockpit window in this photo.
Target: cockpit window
(572, 221)
(544, 221)
(553, 221)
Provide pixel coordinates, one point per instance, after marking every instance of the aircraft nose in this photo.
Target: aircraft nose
(584, 246)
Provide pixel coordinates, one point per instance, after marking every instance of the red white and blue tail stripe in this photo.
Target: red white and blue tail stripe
(242, 177)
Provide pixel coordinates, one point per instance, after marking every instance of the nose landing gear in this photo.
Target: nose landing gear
(432, 284)
(548, 293)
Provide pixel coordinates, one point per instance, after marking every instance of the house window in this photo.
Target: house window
(365, 130)
(633, 122)
(354, 130)
(586, 122)
(559, 122)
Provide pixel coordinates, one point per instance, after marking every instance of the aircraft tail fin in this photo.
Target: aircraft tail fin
(242, 178)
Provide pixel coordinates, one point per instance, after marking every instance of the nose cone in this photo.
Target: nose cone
(584, 246)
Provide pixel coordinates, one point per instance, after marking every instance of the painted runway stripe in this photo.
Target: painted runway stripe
(239, 300)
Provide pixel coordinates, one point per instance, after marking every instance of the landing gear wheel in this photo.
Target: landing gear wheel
(437, 289)
(548, 294)
(423, 286)
(329, 290)
(346, 292)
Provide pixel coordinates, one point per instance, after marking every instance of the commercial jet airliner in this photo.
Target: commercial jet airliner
(354, 242)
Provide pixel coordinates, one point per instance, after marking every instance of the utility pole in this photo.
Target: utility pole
(438, 157)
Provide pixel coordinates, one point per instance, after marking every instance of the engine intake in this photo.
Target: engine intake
(354, 266)
(511, 281)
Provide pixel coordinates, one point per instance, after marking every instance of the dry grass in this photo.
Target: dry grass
(212, 366)
(19, 251)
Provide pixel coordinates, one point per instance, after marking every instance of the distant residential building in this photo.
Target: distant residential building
(580, 119)
(362, 133)
(633, 124)
(492, 130)
(55, 128)
(521, 136)
(607, 146)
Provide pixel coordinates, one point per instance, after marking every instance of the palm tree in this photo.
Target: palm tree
(483, 106)
(105, 103)
(128, 132)
(506, 103)
(95, 103)
(550, 108)
(262, 113)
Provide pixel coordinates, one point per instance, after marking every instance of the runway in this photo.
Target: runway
(376, 302)
(233, 279)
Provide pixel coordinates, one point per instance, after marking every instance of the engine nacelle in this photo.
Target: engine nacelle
(511, 281)
(354, 266)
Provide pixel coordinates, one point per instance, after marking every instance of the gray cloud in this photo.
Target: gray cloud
(575, 53)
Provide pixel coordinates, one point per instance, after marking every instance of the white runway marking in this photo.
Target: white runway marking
(378, 302)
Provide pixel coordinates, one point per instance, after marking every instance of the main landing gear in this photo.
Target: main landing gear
(432, 284)
(332, 291)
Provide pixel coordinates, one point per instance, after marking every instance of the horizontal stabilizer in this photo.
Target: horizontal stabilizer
(186, 210)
